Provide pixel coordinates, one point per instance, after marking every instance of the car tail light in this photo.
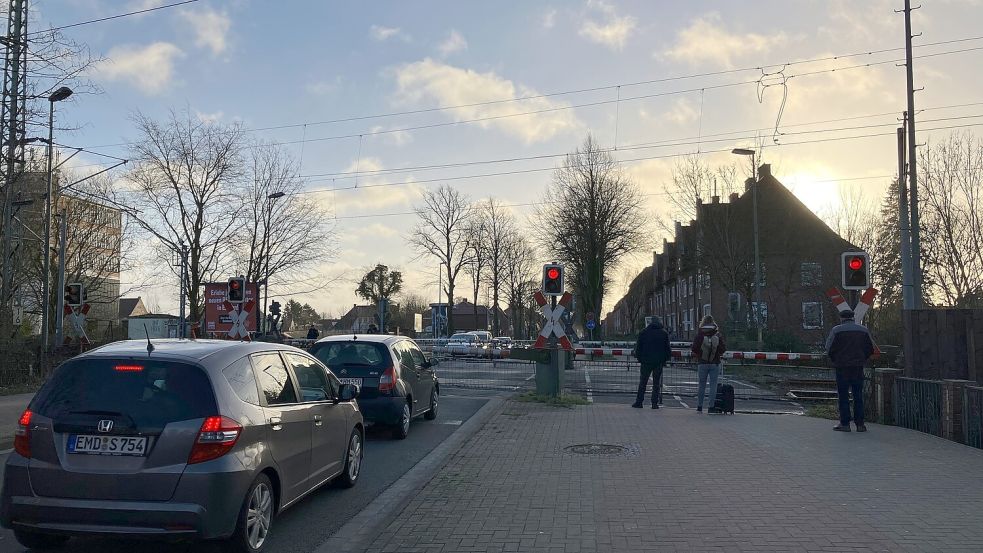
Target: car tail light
(215, 439)
(22, 436)
(388, 380)
(129, 368)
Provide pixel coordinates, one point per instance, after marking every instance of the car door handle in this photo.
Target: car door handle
(275, 423)
(317, 420)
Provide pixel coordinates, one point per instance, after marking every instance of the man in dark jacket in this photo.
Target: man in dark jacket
(652, 352)
(313, 333)
(849, 346)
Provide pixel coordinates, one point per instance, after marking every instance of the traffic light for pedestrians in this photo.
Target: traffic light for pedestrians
(275, 309)
(237, 290)
(856, 270)
(553, 279)
(73, 294)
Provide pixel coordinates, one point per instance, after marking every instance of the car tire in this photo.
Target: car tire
(259, 499)
(402, 428)
(36, 541)
(353, 459)
(432, 412)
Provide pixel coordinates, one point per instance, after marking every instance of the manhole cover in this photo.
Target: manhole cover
(596, 449)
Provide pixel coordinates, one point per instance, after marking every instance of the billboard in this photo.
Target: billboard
(217, 320)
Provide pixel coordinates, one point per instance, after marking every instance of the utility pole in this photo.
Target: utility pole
(915, 257)
(14, 83)
(60, 294)
(183, 324)
(904, 222)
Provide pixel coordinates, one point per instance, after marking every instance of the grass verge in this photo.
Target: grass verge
(823, 411)
(565, 400)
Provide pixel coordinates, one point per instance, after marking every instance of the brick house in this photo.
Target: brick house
(708, 268)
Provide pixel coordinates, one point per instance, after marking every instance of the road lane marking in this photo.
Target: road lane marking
(453, 423)
(681, 402)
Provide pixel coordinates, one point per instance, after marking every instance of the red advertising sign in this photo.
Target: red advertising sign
(217, 317)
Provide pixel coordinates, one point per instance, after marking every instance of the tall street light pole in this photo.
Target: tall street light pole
(266, 252)
(757, 251)
(56, 96)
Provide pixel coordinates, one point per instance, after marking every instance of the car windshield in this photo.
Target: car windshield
(350, 354)
(149, 393)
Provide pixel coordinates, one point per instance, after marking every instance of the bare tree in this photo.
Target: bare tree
(442, 232)
(694, 182)
(477, 256)
(519, 268)
(951, 203)
(594, 217)
(289, 233)
(187, 180)
(500, 234)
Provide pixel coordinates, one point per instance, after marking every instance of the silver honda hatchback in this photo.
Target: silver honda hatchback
(182, 439)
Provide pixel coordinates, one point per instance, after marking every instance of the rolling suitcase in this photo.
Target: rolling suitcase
(725, 399)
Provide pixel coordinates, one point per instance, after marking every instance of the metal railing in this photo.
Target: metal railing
(973, 415)
(918, 404)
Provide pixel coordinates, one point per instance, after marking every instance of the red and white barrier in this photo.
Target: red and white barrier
(682, 354)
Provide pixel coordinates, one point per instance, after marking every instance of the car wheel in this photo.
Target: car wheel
(432, 412)
(39, 542)
(402, 428)
(353, 461)
(255, 518)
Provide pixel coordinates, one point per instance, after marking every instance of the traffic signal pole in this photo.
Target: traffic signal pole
(60, 309)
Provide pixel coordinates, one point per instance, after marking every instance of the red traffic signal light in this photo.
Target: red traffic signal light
(553, 279)
(855, 268)
(237, 290)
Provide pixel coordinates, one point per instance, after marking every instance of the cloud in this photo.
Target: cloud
(549, 19)
(140, 5)
(214, 117)
(706, 41)
(394, 137)
(429, 81)
(149, 68)
(612, 31)
(211, 28)
(683, 111)
(323, 86)
(382, 34)
(369, 197)
(454, 43)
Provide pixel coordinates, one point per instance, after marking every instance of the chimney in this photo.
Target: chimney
(715, 199)
(764, 170)
(692, 222)
(679, 230)
(734, 196)
(747, 185)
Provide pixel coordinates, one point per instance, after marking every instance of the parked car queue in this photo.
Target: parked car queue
(203, 439)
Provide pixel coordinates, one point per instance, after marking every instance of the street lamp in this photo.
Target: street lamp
(266, 251)
(56, 96)
(757, 253)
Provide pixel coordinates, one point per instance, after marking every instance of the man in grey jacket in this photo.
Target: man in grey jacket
(849, 346)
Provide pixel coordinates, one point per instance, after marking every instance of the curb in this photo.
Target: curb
(357, 534)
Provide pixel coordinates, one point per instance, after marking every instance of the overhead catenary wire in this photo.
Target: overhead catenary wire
(584, 90)
(111, 17)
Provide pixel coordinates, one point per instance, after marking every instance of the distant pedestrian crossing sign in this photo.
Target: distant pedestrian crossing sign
(591, 324)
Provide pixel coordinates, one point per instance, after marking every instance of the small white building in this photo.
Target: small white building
(153, 325)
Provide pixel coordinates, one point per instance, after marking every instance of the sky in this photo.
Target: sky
(815, 84)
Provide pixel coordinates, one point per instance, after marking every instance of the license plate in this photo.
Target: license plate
(355, 381)
(107, 445)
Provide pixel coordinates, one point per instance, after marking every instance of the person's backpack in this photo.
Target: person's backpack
(709, 347)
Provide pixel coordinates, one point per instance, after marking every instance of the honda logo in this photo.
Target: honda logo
(344, 371)
(105, 425)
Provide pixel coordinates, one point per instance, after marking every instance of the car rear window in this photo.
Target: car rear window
(149, 393)
(351, 354)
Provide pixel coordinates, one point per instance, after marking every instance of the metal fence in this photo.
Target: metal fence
(973, 415)
(488, 374)
(918, 404)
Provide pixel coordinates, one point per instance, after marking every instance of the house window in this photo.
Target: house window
(812, 315)
(706, 310)
(692, 321)
(691, 287)
(812, 274)
(733, 305)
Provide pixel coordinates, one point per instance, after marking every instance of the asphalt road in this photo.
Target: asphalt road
(306, 525)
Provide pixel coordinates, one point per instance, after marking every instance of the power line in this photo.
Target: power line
(118, 16)
(579, 91)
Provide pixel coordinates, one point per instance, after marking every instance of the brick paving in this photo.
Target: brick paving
(689, 482)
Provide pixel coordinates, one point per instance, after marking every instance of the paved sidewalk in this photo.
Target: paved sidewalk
(11, 408)
(689, 482)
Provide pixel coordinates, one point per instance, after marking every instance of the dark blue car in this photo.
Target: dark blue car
(396, 380)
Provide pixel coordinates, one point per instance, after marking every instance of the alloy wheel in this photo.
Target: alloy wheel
(259, 515)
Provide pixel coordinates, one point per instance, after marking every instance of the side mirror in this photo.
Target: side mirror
(348, 392)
